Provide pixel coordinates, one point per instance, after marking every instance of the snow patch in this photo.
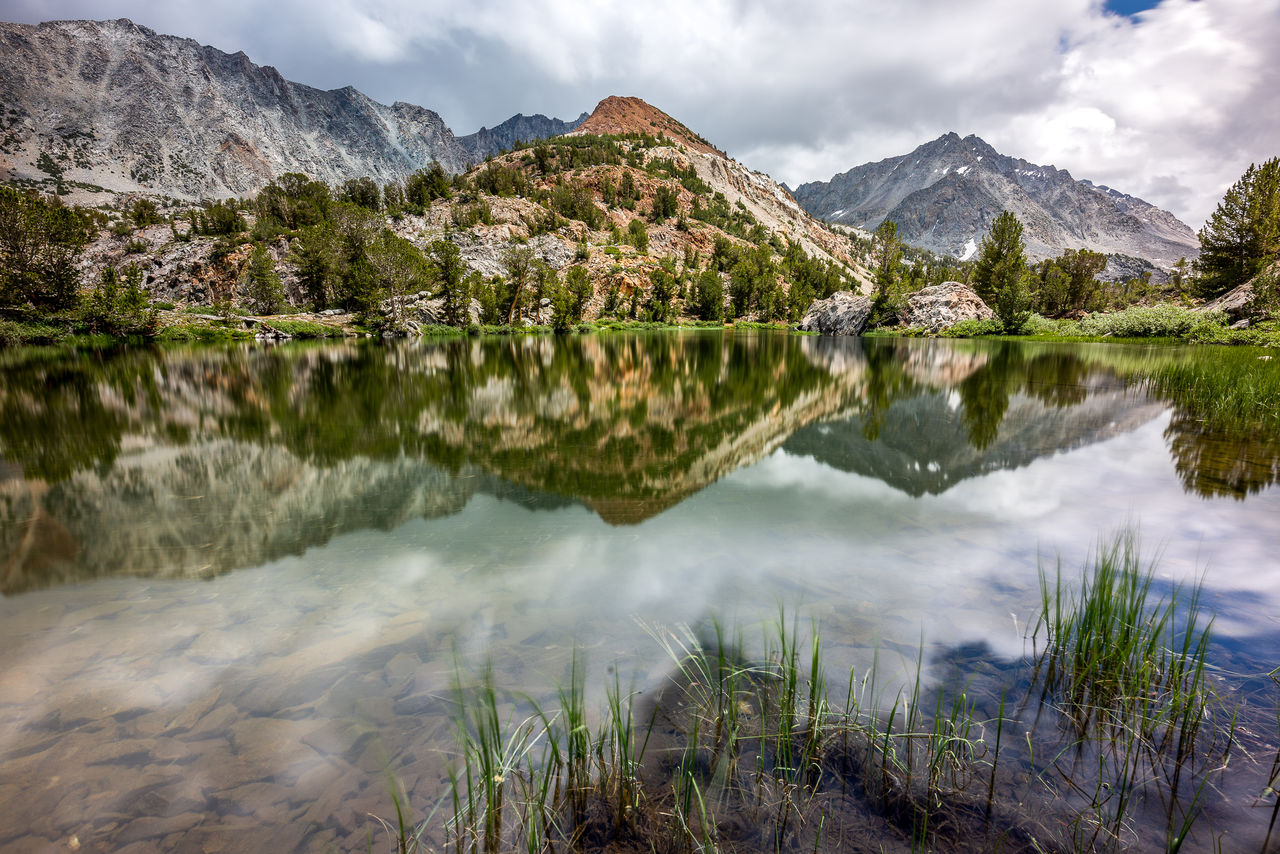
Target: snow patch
(970, 248)
(960, 170)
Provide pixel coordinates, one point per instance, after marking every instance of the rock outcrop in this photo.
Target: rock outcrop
(842, 313)
(1238, 303)
(945, 195)
(937, 307)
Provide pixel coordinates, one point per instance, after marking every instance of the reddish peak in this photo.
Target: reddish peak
(620, 114)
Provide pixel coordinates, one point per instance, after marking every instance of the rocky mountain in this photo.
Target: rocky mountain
(113, 105)
(945, 195)
(518, 128)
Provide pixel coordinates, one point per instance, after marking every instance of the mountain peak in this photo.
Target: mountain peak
(945, 194)
(620, 114)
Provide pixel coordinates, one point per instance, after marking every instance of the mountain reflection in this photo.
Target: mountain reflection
(189, 463)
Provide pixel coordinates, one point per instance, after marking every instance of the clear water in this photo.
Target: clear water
(238, 582)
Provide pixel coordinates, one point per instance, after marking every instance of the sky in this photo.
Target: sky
(1169, 101)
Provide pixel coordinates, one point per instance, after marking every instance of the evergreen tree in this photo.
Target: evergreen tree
(662, 294)
(886, 256)
(363, 192)
(455, 285)
(425, 186)
(315, 255)
(400, 266)
(1243, 234)
(40, 245)
(639, 235)
(264, 290)
(519, 263)
(577, 285)
(708, 296)
(1000, 276)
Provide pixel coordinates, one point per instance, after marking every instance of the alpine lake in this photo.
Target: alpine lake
(246, 590)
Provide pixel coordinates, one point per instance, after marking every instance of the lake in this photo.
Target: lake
(240, 584)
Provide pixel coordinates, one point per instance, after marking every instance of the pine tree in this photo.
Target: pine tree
(455, 286)
(264, 290)
(887, 258)
(1243, 234)
(1000, 276)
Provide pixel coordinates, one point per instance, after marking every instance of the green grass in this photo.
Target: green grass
(196, 332)
(304, 328)
(1118, 717)
(15, 333)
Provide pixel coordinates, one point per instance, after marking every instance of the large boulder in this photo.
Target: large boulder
(842, 313)
(939, 306)
(1234, 303)
(1238, 303)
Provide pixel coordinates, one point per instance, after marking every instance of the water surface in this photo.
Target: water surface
(238, 582)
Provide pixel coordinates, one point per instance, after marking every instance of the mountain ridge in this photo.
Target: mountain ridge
(116, 106)
(945, 194)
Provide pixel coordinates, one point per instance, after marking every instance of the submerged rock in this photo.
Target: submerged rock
(842, 313)
(939, 306)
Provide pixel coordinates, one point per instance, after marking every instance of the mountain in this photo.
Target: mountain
(628, 114)
(518, 128)
(114, 105)
(945, 195)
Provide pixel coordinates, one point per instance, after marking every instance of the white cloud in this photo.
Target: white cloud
(1170, 105)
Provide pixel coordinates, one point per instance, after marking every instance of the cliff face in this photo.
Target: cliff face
(945, 195)
(115, 105)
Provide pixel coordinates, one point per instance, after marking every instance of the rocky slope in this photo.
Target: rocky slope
(945, 195)
(117, 106)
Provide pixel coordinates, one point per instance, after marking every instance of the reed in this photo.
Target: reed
(756, 756)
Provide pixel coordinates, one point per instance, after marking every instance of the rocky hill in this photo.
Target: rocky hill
(630, 115)
(113, 105)
(630, 195)
(945, 195)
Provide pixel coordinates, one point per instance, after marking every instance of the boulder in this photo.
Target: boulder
(842, 313)
(1234, 303)
(1240, 302)
(939, 306)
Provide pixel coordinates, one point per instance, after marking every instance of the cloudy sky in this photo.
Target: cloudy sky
(1169, 101)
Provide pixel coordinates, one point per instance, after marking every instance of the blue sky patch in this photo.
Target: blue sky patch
(1129, 7)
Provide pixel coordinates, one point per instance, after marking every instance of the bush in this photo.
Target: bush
(639, 236)
(973, 329)
(305, 329)
(1158, 321)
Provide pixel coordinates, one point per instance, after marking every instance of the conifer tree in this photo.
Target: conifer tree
(1000, 276)
(1243, 235)
(264, 290)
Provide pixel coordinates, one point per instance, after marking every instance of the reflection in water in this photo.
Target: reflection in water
(189, 463)
(375, 502)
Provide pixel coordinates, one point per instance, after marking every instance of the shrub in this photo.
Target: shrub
(1157, 321)
(973, 329)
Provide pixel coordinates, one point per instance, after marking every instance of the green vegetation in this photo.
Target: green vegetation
(264, 291)
(1000, 275)
(1112, 718)
(886, 264)
(40, 242)
(1242, 237)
